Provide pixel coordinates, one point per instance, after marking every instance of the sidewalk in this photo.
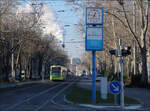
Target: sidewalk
(19, 83)
(140, 94)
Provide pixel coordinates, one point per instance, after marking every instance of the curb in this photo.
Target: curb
(127, 107)
(133, 107)
(67, 101)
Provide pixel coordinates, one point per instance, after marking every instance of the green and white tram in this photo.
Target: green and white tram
(58, 72)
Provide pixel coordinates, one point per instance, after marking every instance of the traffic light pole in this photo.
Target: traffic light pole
(122, 52)
(121, 76)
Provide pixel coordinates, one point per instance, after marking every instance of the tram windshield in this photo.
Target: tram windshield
(56, 71)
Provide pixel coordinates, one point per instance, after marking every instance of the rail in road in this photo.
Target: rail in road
(40, 99)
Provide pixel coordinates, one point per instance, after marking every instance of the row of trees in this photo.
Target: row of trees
(119, 22)
(22, 38)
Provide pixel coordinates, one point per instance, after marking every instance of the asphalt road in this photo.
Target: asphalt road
(48, 96)
(33, 98)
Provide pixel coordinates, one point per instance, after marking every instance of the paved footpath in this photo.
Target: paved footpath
(141, 94)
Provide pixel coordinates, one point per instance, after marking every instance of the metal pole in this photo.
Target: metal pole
(12, 62)
(134, 29)
(94, 76)
(115, 99)
(121, 77)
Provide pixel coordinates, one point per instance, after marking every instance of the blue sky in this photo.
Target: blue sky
(71, 35)
(65, 19)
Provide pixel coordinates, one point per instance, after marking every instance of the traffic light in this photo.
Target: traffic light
(113, 52)
(126, 51)
(63, 45)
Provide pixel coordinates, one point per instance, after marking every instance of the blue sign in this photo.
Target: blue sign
(115, 87)
(94, 38)
(94, 16)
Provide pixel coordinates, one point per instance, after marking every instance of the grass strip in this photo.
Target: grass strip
(81, 95)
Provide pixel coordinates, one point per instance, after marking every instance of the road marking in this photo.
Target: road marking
(52, 99)
(13, 106)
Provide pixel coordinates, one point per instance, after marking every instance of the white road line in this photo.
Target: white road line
(13, 106)
(52, 99)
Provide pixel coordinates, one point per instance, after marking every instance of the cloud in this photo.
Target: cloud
(48, 21)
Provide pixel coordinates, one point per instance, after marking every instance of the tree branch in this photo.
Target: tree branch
(147, 17)
(129, 26)
(118, 19)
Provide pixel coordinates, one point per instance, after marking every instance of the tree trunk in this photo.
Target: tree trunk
(30, 69)
(6, 67)
(40, 66)
(144, 79)
(20, 63)
(1, 72)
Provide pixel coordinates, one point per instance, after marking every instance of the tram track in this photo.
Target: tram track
(59, 87)
(51, 100)
(16, 95)
(12, 107)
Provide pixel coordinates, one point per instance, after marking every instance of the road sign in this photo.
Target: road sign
(94, 15)
(115, 87)
(94, 38)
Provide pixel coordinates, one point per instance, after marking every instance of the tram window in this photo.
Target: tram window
(56, 70)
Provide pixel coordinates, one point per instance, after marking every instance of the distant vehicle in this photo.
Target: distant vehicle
(18, 77)
(35, 77)
(98, 77)
(58, 72)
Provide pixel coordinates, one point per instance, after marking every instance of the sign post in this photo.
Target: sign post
(121, 76)
(93, 76)
(94, 39)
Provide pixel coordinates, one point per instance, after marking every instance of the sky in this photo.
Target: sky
(72, 37)
(61, 20)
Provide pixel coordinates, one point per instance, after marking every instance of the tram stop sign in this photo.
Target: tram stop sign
(94, 29)
(115, 87)
(94, 38)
